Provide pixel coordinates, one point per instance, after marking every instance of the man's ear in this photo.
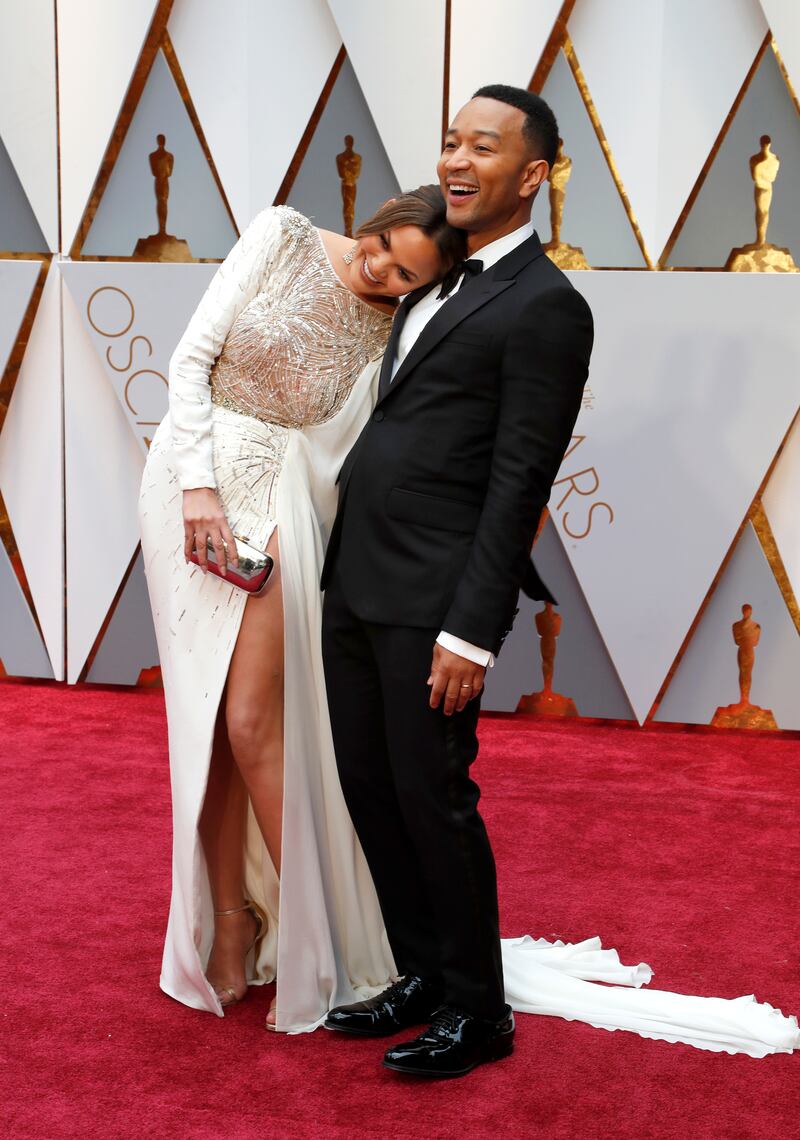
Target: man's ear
(534, 175)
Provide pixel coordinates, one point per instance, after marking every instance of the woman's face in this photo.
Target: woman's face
(393, 263)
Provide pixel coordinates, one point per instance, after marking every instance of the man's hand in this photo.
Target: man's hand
(455, 679)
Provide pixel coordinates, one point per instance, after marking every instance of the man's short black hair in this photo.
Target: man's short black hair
(540, 128)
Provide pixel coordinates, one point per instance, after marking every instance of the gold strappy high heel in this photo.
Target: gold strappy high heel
(271, 1025)
(227, 994)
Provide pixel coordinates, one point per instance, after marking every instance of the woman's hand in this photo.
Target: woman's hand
(203, 519)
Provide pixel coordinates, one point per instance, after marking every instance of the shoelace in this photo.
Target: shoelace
(396, 989)
(446, 1021)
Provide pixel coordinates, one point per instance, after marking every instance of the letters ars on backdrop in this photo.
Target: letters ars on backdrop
(577, 502)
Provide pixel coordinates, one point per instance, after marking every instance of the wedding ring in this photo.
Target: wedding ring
(466, 686)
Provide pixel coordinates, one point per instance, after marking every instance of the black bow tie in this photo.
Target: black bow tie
(468, 269)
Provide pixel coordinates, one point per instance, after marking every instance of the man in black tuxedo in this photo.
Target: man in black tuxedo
(439, 501)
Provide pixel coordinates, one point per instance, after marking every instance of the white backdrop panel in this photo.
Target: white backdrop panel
(103, 464)
(134, 315)
(210, 38)
(479, 55)
(686, 63)
(783, 17)
(398, 55)
(99, 43)
(255, 70)
(687, 415)
(31, 472)
(781, 501)
(28, 105)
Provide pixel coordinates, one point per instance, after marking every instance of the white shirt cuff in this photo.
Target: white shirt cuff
(465, 649)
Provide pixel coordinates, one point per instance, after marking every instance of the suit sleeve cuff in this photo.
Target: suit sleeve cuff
(465, 649)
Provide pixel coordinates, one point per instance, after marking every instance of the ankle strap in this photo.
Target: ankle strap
(234, 910)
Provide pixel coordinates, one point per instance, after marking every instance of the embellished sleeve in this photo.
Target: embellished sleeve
(236, 282)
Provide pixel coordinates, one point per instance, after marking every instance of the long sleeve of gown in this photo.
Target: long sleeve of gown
(236, 282)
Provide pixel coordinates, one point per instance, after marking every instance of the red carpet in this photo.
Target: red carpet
(680, 849)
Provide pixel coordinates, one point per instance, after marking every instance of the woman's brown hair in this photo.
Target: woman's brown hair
(424, 207)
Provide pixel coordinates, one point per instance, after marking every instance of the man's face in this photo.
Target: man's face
(486, 171)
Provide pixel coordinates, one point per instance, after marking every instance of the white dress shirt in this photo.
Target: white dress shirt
(416, 321)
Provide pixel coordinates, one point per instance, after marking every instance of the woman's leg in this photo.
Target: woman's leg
(247, 758)
(222, 833)
(254, 707)
(222, 823)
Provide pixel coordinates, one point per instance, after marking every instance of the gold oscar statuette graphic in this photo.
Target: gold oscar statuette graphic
(759, 256)
(565, 256)
(348, 164)
(746, 634)
(547, 703)
(162, 246)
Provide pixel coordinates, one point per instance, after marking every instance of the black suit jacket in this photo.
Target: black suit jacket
(441, 495)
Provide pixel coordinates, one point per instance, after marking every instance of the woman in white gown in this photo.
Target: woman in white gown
(269, 388)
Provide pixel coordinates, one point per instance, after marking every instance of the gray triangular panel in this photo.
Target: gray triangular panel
(707, 676)
(127, 210)
(723, 216)
(583, 669)
(129, 644)
(21, 648)
(316, 191)
(594, 216)
(19, 230)
(17, 281)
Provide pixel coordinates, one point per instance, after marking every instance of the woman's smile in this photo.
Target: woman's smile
(367, 272)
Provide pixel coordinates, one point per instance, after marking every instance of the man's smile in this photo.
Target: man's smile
(461, 191)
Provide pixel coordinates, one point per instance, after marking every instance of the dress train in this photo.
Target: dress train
(563, 980)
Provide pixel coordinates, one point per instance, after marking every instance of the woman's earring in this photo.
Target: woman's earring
(347, 258)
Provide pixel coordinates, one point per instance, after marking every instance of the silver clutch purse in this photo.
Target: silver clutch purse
(253, 571)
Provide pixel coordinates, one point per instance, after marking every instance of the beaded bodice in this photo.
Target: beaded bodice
(295, 350)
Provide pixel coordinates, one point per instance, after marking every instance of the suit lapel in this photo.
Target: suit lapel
(394, 336)
(461, 305)
(457, 309)
(513, 263)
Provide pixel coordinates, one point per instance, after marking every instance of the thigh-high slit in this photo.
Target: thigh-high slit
(326, 941)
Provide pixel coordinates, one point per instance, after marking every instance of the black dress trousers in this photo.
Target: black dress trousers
(405, 772)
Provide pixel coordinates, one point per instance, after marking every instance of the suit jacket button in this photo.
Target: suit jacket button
(378, 415)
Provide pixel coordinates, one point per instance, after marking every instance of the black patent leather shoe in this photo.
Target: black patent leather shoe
(454, 1044)
(410, 1001)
